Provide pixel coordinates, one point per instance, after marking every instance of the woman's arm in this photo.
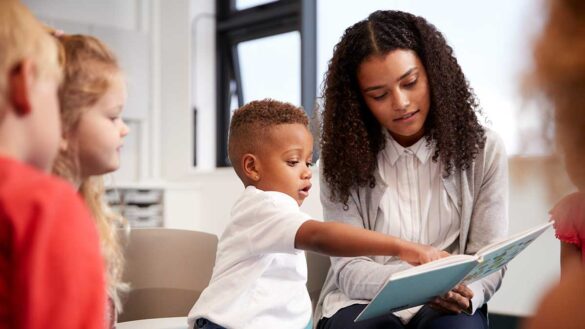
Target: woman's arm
(338, 239)
(489, 219)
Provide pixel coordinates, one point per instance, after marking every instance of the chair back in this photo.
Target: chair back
(317, 268)
(167, 270)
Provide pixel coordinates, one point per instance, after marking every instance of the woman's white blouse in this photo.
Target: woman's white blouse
(415, 205)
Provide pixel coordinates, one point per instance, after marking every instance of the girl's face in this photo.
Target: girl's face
(396, 90)
(100, 133)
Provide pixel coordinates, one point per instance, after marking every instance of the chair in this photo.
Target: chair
(317, 268)
(167, 270)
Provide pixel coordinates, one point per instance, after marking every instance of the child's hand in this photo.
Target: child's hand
(416, 254)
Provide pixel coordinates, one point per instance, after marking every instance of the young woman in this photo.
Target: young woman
(403, 153)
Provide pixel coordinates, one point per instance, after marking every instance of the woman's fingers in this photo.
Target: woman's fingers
(453, 301)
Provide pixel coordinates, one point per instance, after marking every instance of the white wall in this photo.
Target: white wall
(125, 27)
(176, 38)
(158, 43)
(205, 203)
(174, 64)
(536, 183)
(203, 80)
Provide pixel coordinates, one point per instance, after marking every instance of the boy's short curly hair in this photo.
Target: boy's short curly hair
(251, 123)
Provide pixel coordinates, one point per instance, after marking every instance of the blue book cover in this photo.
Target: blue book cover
(420, 284)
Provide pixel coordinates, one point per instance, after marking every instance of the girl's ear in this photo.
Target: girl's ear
(20, 83)
(251, 167)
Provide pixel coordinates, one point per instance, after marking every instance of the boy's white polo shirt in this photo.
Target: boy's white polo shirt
(259, 278)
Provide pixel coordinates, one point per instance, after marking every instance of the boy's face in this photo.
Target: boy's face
(35, 99)
(284, 161)
(45, 105)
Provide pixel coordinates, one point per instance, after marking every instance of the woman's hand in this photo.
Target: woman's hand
(455, 301)
(416, 254)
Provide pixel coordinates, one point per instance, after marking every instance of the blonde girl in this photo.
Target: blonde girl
(92, 97)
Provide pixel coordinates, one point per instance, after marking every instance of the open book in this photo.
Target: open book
(418, 285)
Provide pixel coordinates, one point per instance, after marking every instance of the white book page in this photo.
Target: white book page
(514, 238)
(498, 255)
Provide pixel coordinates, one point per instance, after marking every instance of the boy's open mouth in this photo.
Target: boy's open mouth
(305, 190)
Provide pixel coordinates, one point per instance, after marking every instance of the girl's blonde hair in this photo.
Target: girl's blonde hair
(89, 67)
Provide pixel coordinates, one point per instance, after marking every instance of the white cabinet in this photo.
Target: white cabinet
(141, 207)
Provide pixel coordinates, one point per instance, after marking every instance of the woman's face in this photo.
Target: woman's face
(396, 90)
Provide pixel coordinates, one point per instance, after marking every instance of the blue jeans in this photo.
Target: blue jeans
(206, 324)
(426, 318)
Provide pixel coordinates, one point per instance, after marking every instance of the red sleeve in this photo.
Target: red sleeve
(569, 216)
(58, 270)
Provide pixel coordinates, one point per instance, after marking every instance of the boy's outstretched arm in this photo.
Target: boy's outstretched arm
(338, 239)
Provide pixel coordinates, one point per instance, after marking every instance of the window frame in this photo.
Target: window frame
(235, 26)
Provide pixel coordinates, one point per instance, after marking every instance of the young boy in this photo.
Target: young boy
(260, 272)
(51, 271)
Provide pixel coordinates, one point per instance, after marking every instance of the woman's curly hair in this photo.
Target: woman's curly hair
(352, 137)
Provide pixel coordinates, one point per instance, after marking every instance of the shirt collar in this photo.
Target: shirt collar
(393, 151)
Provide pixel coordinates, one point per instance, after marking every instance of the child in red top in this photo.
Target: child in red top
(51, 273)
(559, 58)
(569, 212)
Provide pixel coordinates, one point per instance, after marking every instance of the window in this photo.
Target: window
(270, 68)
(245, 4)
(254, 39)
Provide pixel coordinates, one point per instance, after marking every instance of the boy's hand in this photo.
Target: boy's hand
(416, 254)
